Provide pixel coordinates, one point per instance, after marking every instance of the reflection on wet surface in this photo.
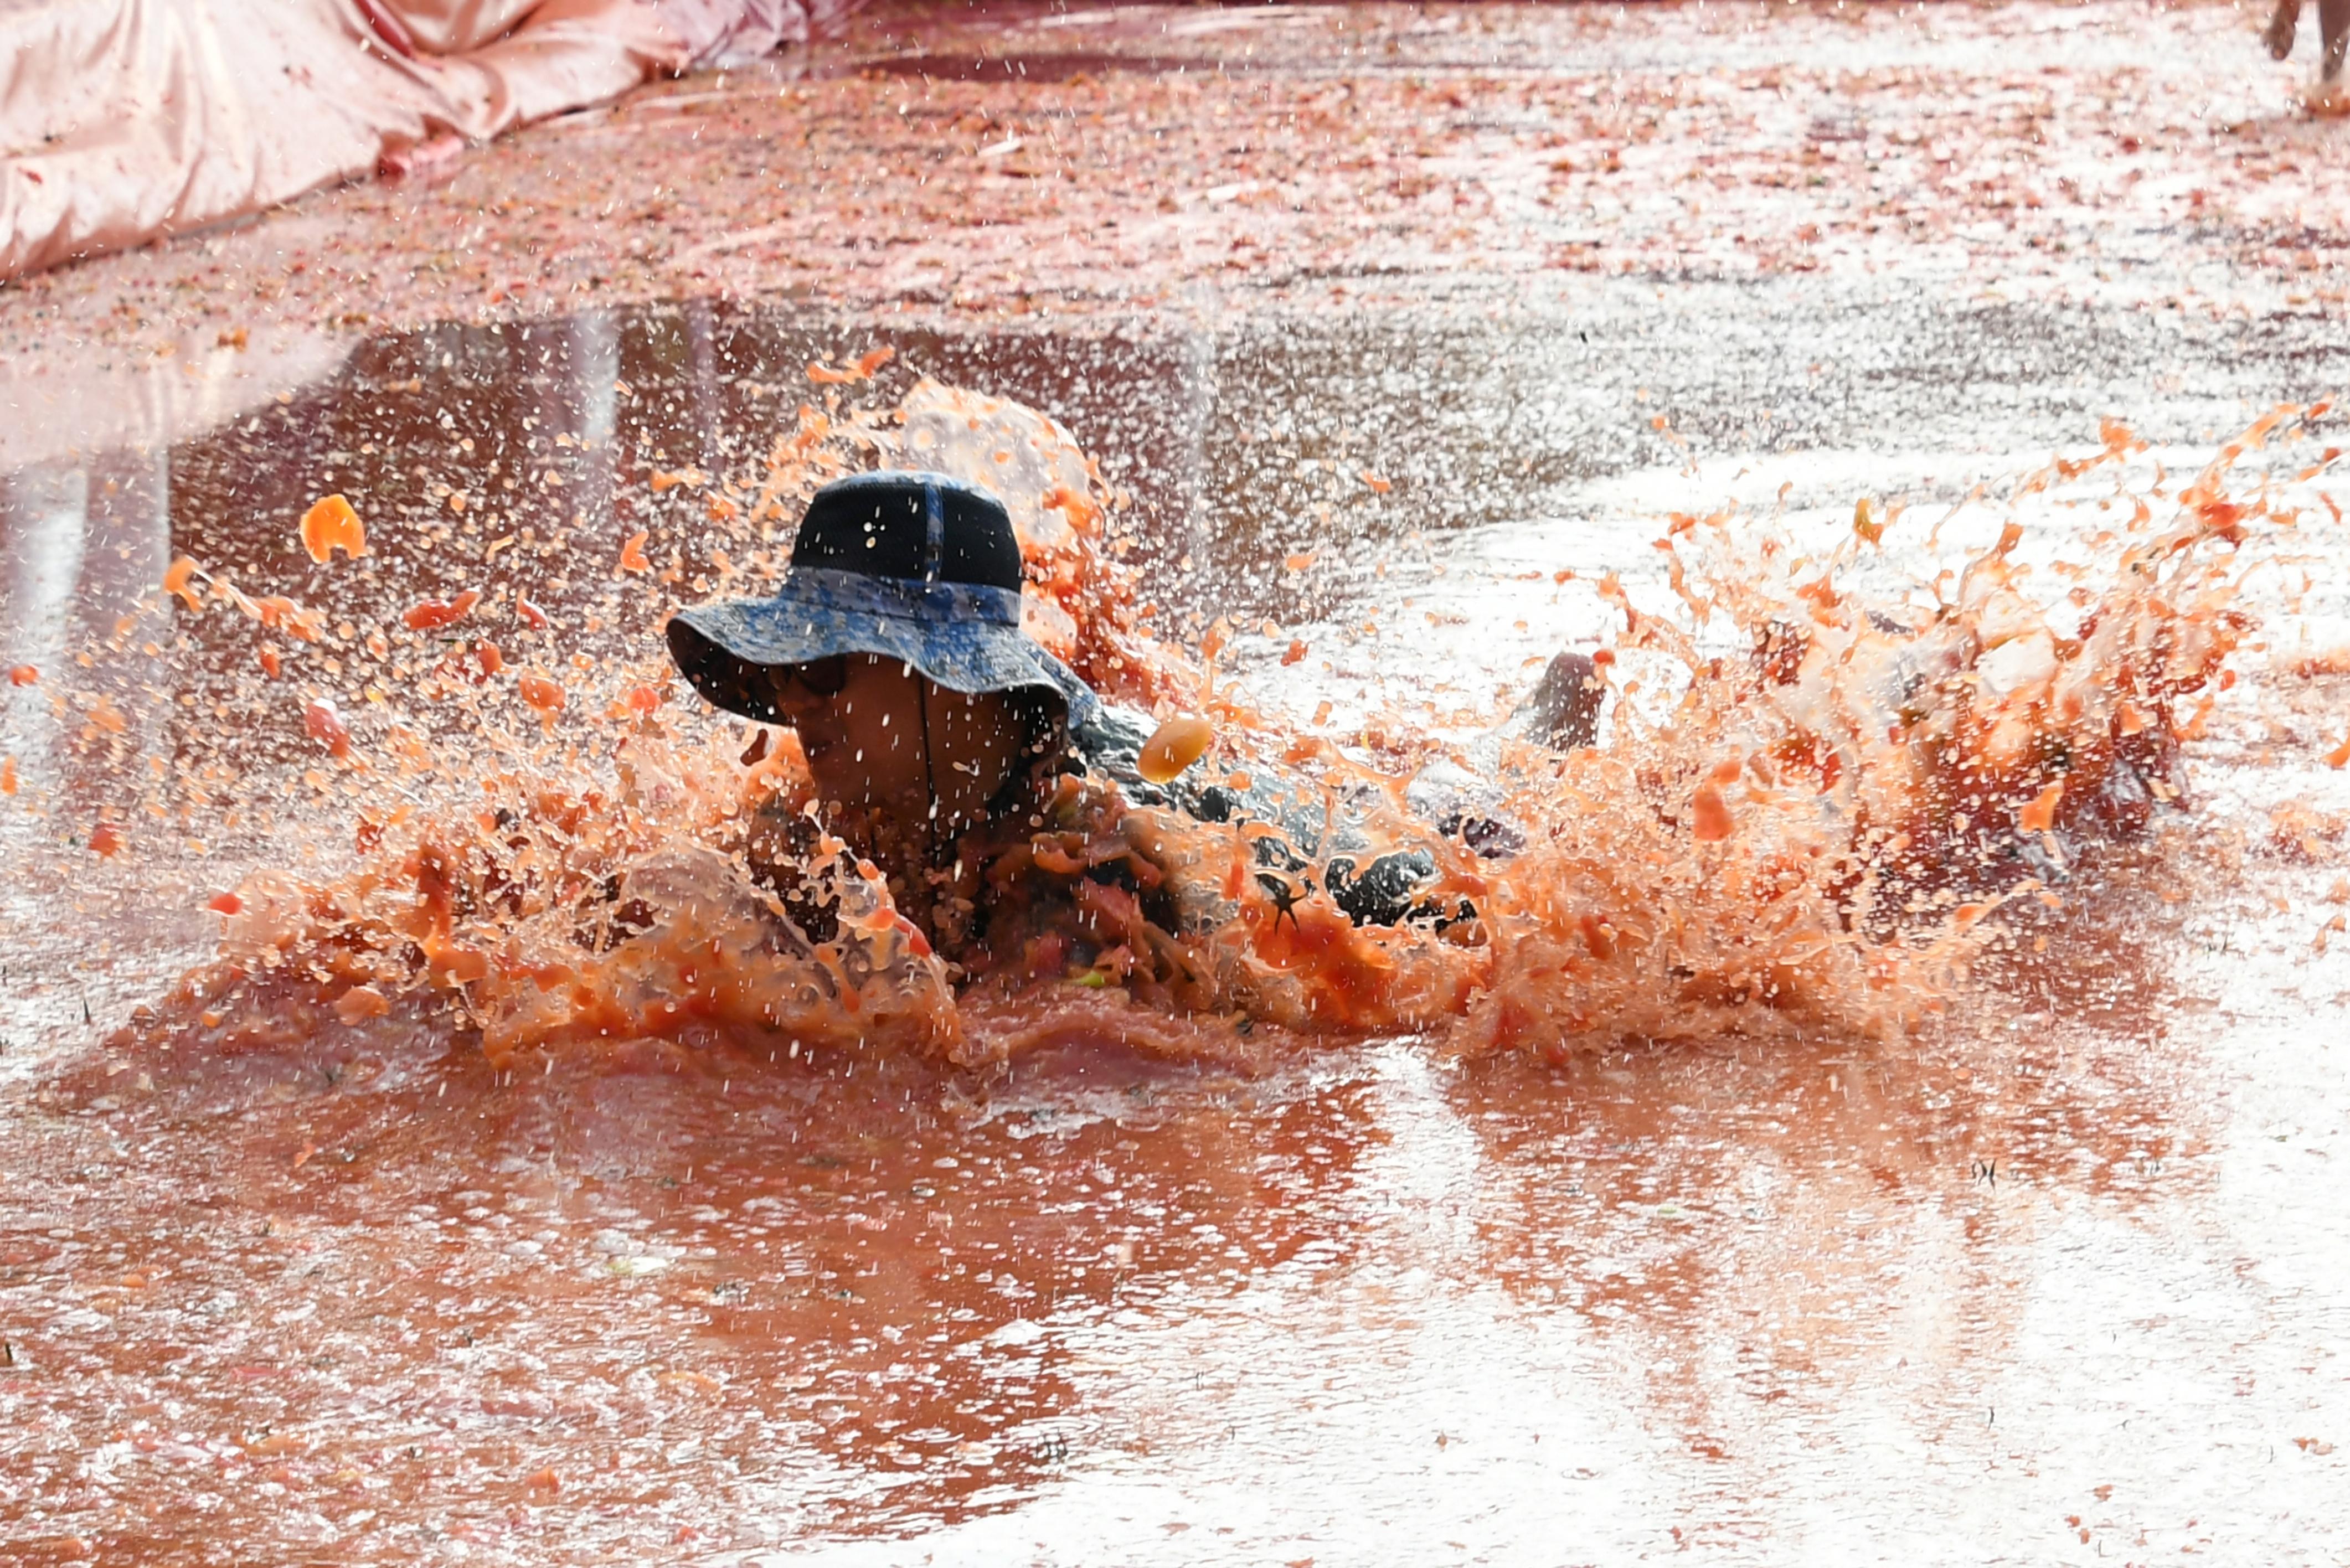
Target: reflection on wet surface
(1057, 66)
(648, 1275)
(347, 1294)
(334, 1295)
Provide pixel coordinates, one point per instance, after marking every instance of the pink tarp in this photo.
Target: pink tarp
(122, 119)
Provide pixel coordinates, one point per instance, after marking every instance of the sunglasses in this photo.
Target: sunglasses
(822, 678)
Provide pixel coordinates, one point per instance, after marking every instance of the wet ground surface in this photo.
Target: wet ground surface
(1012, 161)
(2072, 1258)
(2061, 1279)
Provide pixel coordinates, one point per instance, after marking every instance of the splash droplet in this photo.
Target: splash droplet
(544, 694)
(1711, 814)
(329, 526)
(435, 613)
(1173, 747)
(324, 725)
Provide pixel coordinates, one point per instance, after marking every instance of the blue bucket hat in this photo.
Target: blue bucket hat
(914, 566)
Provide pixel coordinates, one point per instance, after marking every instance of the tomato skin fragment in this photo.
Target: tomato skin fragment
(361, 1002)
(1710, 815)
(1075, 508)
(453, 963)
(178, 581)
(329, 526)
(227, 904)
(1056, 859)
(914, 938)
(632, 553)
(543, 694)
(1598, 935)
(7, 775)
(532, 614)
(326, 726)
(24, 675)
(492, 659)
(435, 613)
(270, 663)
(279, 613)
(1866, 523)
(2039, 813)
(106, 841)
(1173, 747)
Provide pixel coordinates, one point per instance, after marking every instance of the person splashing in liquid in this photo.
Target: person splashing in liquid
(973, 769)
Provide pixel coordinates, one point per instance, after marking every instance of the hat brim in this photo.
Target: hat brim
(964, 637)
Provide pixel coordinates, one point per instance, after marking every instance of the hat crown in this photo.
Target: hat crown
(924, 527)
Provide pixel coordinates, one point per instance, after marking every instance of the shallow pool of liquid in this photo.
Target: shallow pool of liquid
(2059, 1277)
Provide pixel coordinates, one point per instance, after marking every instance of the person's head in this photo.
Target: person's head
(879, 736)
(893, 647)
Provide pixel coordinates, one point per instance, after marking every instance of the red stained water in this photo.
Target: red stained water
(1806, 836)
(381, 1240)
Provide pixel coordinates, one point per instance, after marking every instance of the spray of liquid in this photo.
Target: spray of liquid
(1810, 825)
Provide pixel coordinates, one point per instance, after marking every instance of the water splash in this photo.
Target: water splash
(1806, 828)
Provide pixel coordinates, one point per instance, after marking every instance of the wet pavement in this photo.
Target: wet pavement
(2064, 1277)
